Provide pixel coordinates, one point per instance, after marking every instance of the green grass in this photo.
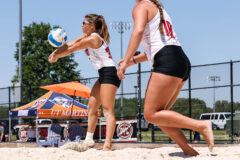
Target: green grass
(219, 135)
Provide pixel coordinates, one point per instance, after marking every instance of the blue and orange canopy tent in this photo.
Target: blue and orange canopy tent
(56, 105)
(52, 105)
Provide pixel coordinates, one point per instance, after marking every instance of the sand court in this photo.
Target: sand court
(122, 151)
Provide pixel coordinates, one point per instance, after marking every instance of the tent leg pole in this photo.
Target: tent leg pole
(9, 109)
(37, 139)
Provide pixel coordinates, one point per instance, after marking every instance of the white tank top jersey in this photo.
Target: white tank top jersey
(100, 57)
(153, 41)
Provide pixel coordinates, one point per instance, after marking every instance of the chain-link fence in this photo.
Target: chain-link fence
(212, 88)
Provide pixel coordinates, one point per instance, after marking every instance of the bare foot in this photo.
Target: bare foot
(208, 135)
(194, 153)
(107, 147)
(191, 152)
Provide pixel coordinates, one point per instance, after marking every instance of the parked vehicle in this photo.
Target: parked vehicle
(214, 126)
(217, 118)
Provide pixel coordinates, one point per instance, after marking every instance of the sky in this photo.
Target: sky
(208, 30)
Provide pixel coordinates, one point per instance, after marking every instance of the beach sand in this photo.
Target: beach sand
(166, 153)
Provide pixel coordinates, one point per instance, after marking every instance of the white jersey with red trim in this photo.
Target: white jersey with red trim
(153, 41)
(100, 57)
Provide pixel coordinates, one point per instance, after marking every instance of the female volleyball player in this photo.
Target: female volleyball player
(95, 42)
(171, 68)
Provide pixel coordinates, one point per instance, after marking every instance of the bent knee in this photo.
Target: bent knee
(154, 116)
(148, 116)
(92, 110)
(108, 112)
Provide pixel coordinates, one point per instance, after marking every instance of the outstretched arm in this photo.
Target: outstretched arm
(77, 44)
(77, 39)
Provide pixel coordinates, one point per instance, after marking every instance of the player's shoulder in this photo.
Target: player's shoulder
(141, 6)
(94, 40)
(92, 37)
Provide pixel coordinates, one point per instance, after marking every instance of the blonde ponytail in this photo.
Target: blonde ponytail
(159, 6)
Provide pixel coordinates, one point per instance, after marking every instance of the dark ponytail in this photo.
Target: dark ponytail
(103, 30)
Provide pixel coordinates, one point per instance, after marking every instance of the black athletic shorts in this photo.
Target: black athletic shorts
(108, 75)
(171, 60)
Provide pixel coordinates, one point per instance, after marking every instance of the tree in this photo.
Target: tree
(3, 112)
(181, 106)
(36, 70)
(198, 106)
(225, 106)
(130, 108)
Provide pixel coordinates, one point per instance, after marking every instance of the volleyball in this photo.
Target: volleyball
(57, 37)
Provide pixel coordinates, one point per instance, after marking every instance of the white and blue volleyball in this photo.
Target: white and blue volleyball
(57, 37)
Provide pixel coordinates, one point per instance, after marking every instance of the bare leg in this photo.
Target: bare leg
(176, 134)
(160, 91)
(108, 93)
(174, 97)
(93, 105)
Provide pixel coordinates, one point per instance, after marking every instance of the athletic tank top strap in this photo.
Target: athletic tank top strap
(156, 17)
(99, 36)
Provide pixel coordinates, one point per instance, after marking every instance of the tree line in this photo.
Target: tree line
(181, 106)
